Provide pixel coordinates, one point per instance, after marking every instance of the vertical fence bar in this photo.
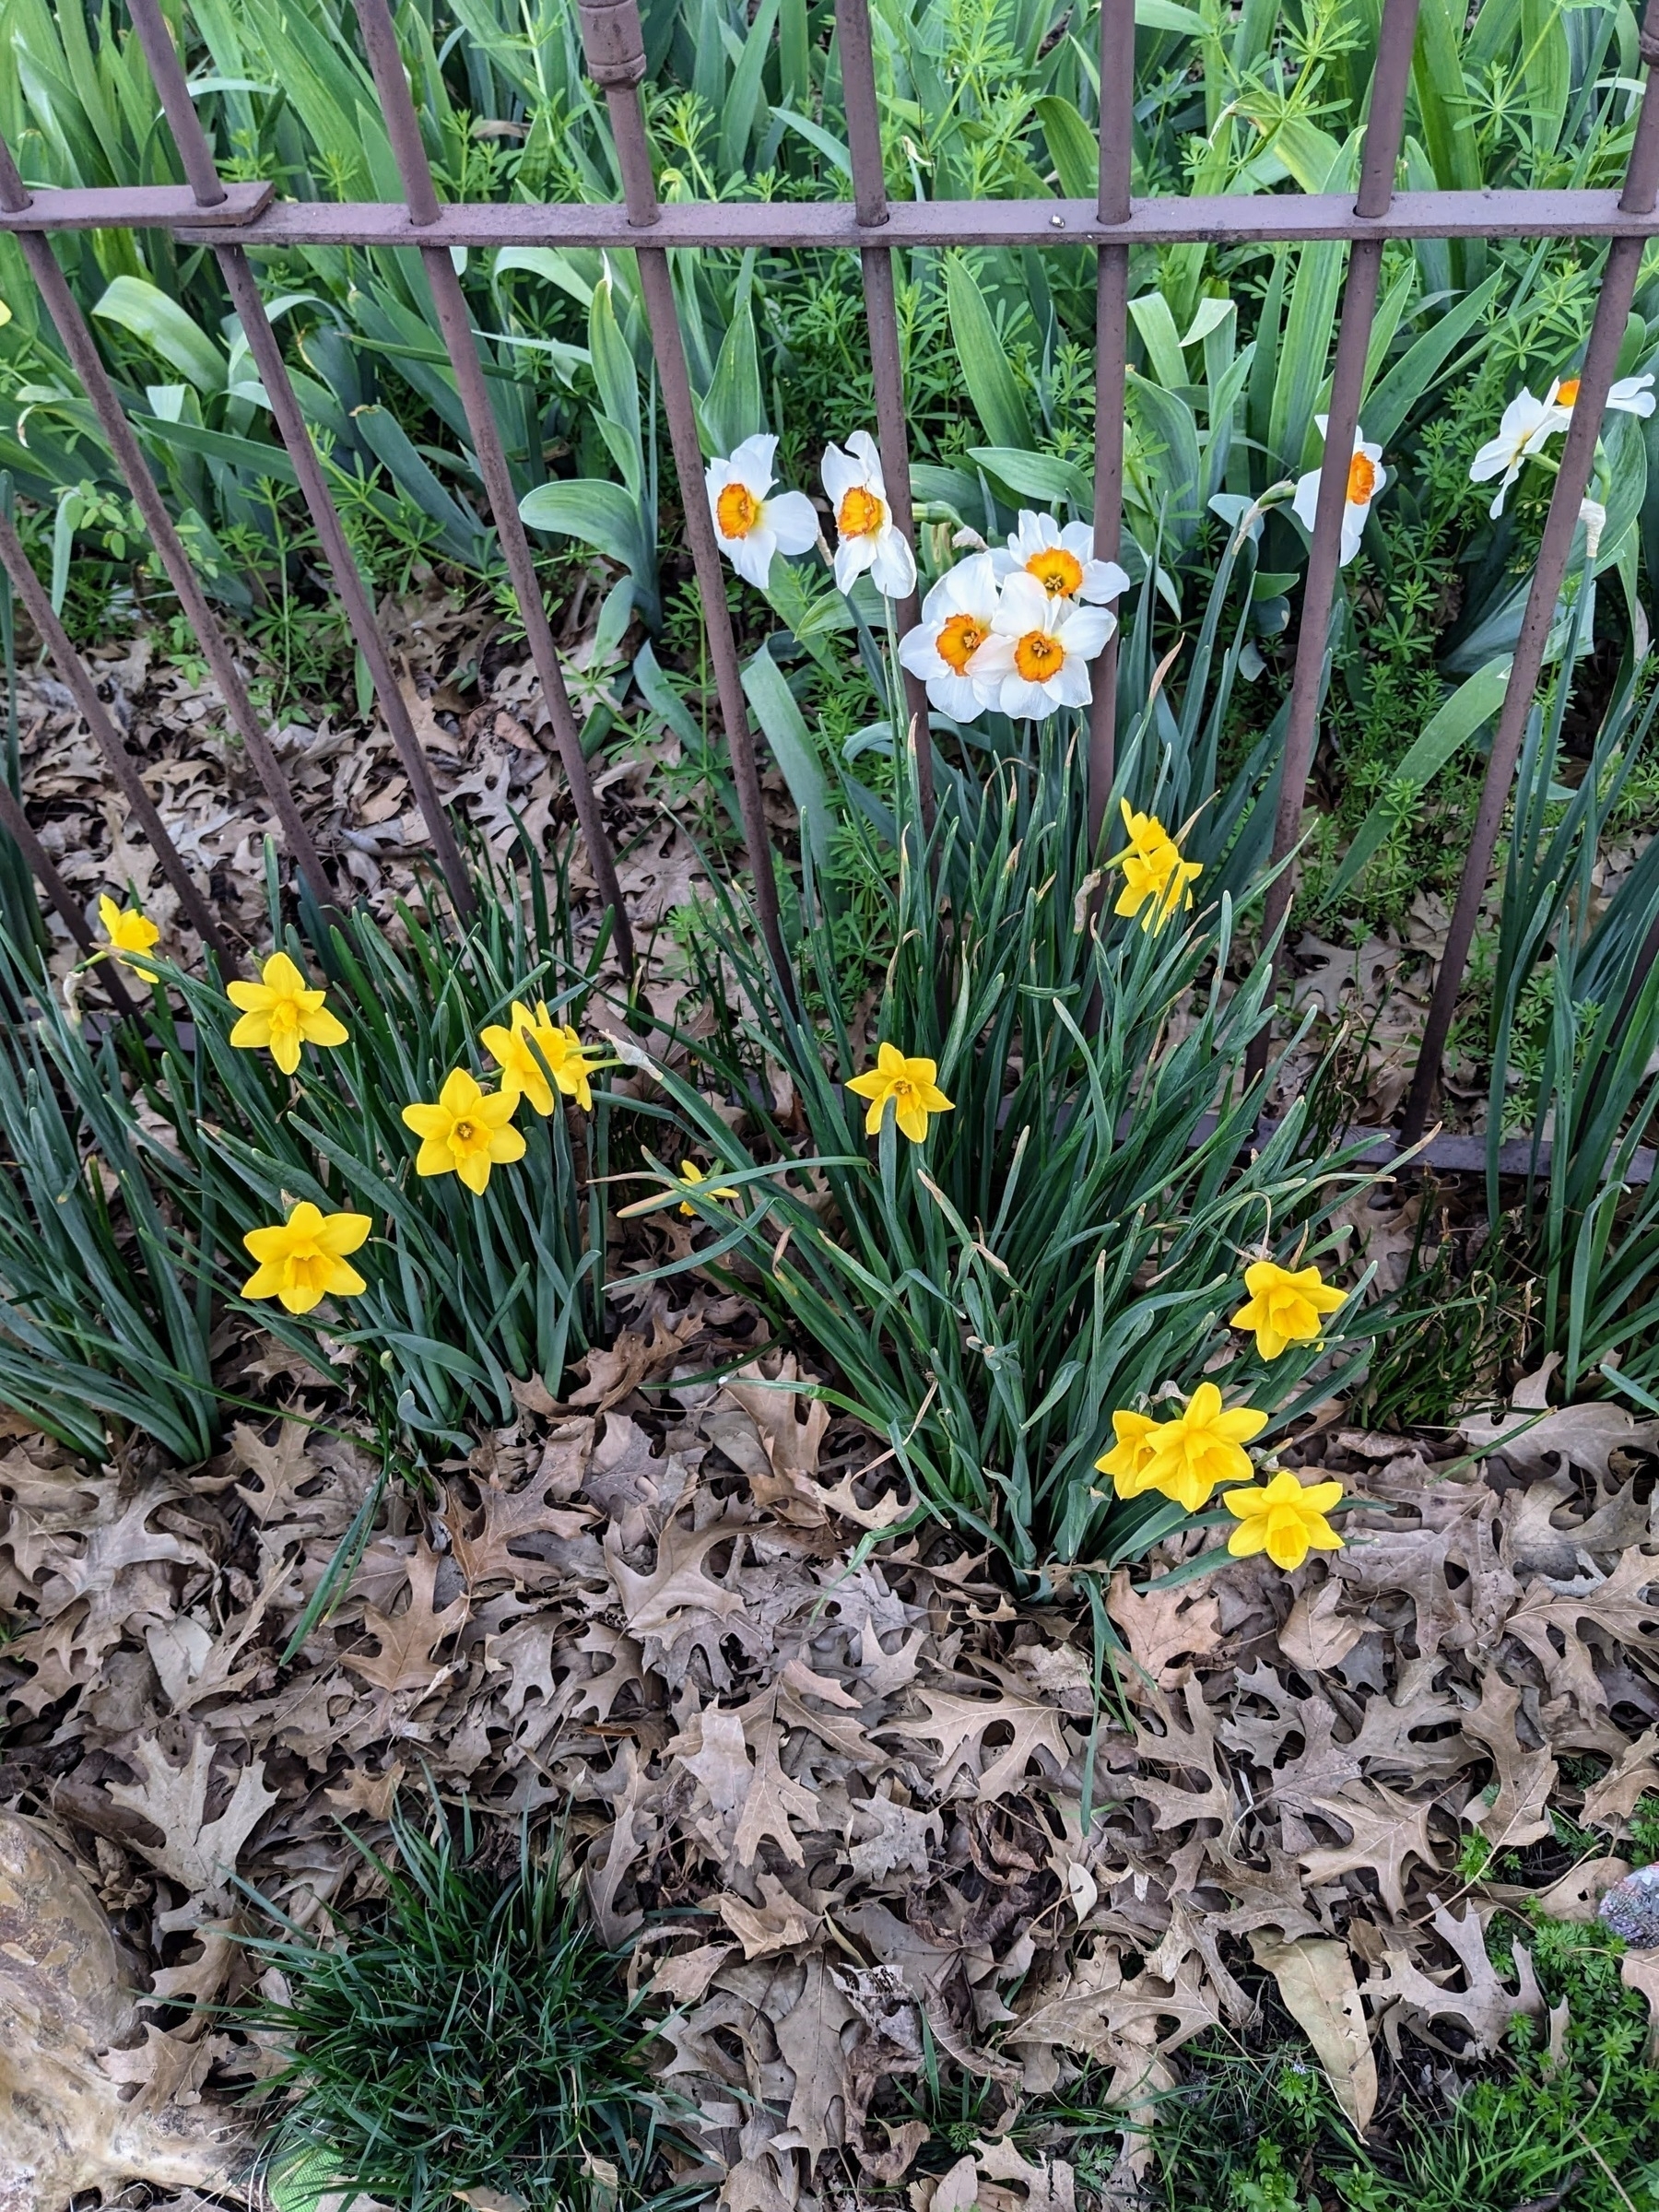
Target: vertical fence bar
(1383, 133)
(21, 831)
(244, 286)
(379, 40)
(78, 343)
(1112, 341)
(78, 678)
(614, 45)
(881, 315)
(1601, 358)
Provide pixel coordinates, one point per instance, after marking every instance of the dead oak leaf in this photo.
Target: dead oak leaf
(198, 1853)
(1389, 1831)
(408, 1640)
(960, 1725)
(1162, 1626)
(482, 1539)
(1614, 1605)
(780, 1922)
(1483, 2007)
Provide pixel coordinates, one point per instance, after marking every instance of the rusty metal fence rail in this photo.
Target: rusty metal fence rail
(235, 219)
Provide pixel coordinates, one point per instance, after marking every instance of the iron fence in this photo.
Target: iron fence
(235, 218)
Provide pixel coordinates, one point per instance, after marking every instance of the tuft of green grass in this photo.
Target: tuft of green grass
(468, 2033)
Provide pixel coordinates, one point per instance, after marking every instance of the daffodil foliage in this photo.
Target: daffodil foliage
(470, 1276)
(1054, 1214)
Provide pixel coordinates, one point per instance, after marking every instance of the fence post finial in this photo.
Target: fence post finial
(614, 43)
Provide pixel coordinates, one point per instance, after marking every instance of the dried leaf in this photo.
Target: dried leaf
(1315, 1979)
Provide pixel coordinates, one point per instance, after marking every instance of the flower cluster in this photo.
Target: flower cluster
(1016, 628)
(464, 1131)
(1013, 629)
(1202, 1448)
(1156, 878)
(1529, 423)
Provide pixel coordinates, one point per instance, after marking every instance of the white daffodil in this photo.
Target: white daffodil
(1630, 395)
(1527, 422)
(957, 619)
(1062, 560)
(749, 521)
(1367, 479)
(1037, 654)
(864, 520)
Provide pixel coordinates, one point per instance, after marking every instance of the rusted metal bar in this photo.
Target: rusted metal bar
(168, 74)
(1577, 455)
(397, 108)
(615, 48)
(1112, 339)
(96, 715)
(20, 830)
(135, 207)
(881, 315)
(1294, 219)
(78, 343)
(1387, 121)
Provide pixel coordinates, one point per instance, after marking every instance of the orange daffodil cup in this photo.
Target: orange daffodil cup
(1201, 1449)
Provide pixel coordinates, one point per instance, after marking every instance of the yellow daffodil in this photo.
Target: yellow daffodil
(1153, 870)
(302, 1260)
(1132, 1454)
(280, 1011)
(525, 1077)
(693, 1179)
(1284, 1518)
(128, 931)
(1285, 1305)
(467, 1132)
(909, 1085)
(1204, 1445)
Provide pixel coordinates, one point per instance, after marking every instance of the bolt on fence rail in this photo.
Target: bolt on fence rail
(234, 218)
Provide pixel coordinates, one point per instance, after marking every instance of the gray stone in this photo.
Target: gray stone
(1631, 1909)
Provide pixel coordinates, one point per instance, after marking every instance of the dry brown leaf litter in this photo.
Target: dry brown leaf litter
(837, 1795)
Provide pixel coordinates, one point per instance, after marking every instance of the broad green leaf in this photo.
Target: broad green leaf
(1165, 15)
(737, 118)
(1035, 476)
(1157, 327)
(618, 388)
(249, 453)
(991, 386)
(833, 149)
(1073, 147)
(1470, 707)
(166, 328)
(1174, 471)
(551, 262)
(731, 409)
(601, 514)
(779, 717)
(1305, 352)
(1387, 408)
(464, 535)
(1437, 80)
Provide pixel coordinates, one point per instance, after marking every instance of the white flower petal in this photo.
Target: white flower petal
(752, 462)
(840, 472)
(794, 518)
(1024, 605)
(893, 565)
(853, 556)
(994, 660)
(1306, 502)
(752, 556)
